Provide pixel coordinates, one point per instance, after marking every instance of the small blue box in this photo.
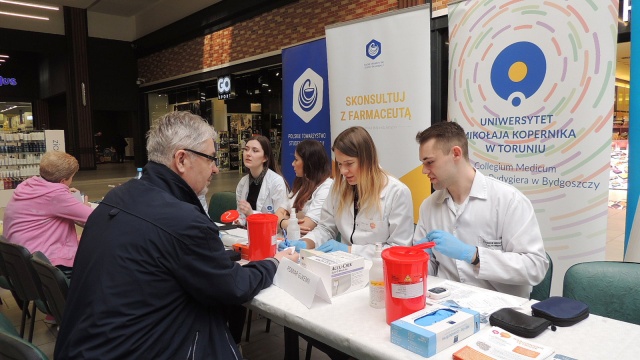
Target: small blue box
(442, 327)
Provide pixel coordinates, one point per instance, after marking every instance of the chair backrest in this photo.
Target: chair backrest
(4, 279)
(221, 202)
(610, 288)
(20, 271)
(542, 291)
(54, 286)
(13, 347)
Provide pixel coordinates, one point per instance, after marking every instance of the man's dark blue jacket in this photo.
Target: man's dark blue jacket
(151, 278)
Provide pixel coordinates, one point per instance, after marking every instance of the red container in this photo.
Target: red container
(405, 280)
(261, 231)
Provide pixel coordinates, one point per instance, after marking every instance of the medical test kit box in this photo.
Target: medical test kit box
(340, 272)
(434, 328)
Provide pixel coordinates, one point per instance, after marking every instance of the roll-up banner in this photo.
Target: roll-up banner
(380, 79)
(305, 100)
(532, 83)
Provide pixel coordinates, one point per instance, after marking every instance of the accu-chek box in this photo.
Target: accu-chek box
(339, 271)
(434, 328)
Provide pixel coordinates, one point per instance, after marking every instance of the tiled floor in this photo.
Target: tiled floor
(263, 345)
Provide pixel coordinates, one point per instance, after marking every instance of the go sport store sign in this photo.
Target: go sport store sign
(226, 88)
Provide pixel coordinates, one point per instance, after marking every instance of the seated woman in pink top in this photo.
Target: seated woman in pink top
(42, 212)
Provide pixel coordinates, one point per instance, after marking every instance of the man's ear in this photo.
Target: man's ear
(457, 152)
(179, 160)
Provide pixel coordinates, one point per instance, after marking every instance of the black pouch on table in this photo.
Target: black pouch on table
(518, 323)
(561, 311)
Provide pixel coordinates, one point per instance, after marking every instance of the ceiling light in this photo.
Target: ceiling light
(30, 4)
(24, 15)
(4, 56)
(2, 60)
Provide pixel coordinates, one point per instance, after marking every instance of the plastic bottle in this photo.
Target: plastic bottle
(293, 229)
(376, 280)
(139, 175)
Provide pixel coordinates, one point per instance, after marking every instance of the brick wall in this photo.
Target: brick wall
(439, 4)
(271, 31)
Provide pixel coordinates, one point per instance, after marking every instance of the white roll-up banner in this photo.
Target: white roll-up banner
(380, 79)
(532, 83)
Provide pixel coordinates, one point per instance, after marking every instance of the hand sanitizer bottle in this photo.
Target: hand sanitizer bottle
(293, 229)
(376, 280)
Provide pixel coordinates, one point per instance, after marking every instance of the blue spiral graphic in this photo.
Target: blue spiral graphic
(308, 95)
(373, 49)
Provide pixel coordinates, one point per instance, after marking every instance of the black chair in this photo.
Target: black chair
(25, 281)
(13, 347)
(6, 284)
(54, 286)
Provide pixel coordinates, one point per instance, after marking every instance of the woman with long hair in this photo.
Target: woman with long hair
(311, 186)
(263, 190)
(365, 206)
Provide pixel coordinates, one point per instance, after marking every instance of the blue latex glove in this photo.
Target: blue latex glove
(451, 246)
(299, 244)
(333, 245)
(422, 241)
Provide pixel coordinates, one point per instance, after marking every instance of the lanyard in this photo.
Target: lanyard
(356, 207)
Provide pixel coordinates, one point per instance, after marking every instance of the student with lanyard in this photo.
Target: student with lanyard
(263, 190)
(311, 186)
(365, 204)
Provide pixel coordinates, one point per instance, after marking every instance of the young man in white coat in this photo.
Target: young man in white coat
(485, 230)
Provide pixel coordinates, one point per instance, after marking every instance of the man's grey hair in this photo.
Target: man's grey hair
(175, 131)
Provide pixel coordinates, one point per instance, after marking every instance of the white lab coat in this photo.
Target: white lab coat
(501, 222)
(394, 226)
(273, 194)
(313, 207)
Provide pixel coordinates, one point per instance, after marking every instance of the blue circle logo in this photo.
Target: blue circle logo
(518, 72)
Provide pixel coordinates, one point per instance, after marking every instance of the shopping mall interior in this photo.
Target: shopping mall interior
(133, 61)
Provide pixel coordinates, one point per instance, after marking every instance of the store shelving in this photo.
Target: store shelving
(20, 155)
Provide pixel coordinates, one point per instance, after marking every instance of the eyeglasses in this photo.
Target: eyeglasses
(212, 158)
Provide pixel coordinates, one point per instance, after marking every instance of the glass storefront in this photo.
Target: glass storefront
(253, 106)
(16, 116)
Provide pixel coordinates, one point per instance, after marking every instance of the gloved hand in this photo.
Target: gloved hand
(333, 245)
(451, 246)
(422, 241)
(299, 244)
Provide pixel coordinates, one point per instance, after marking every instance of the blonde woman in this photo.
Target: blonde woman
(365, 204)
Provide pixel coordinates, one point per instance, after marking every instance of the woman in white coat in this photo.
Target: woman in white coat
(263, 190)
(365, 204)
(312, 167)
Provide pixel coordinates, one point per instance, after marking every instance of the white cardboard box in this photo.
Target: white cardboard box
(339, 271)
(431, 339)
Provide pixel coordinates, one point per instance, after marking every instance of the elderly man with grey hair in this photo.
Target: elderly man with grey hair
(151, 278)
